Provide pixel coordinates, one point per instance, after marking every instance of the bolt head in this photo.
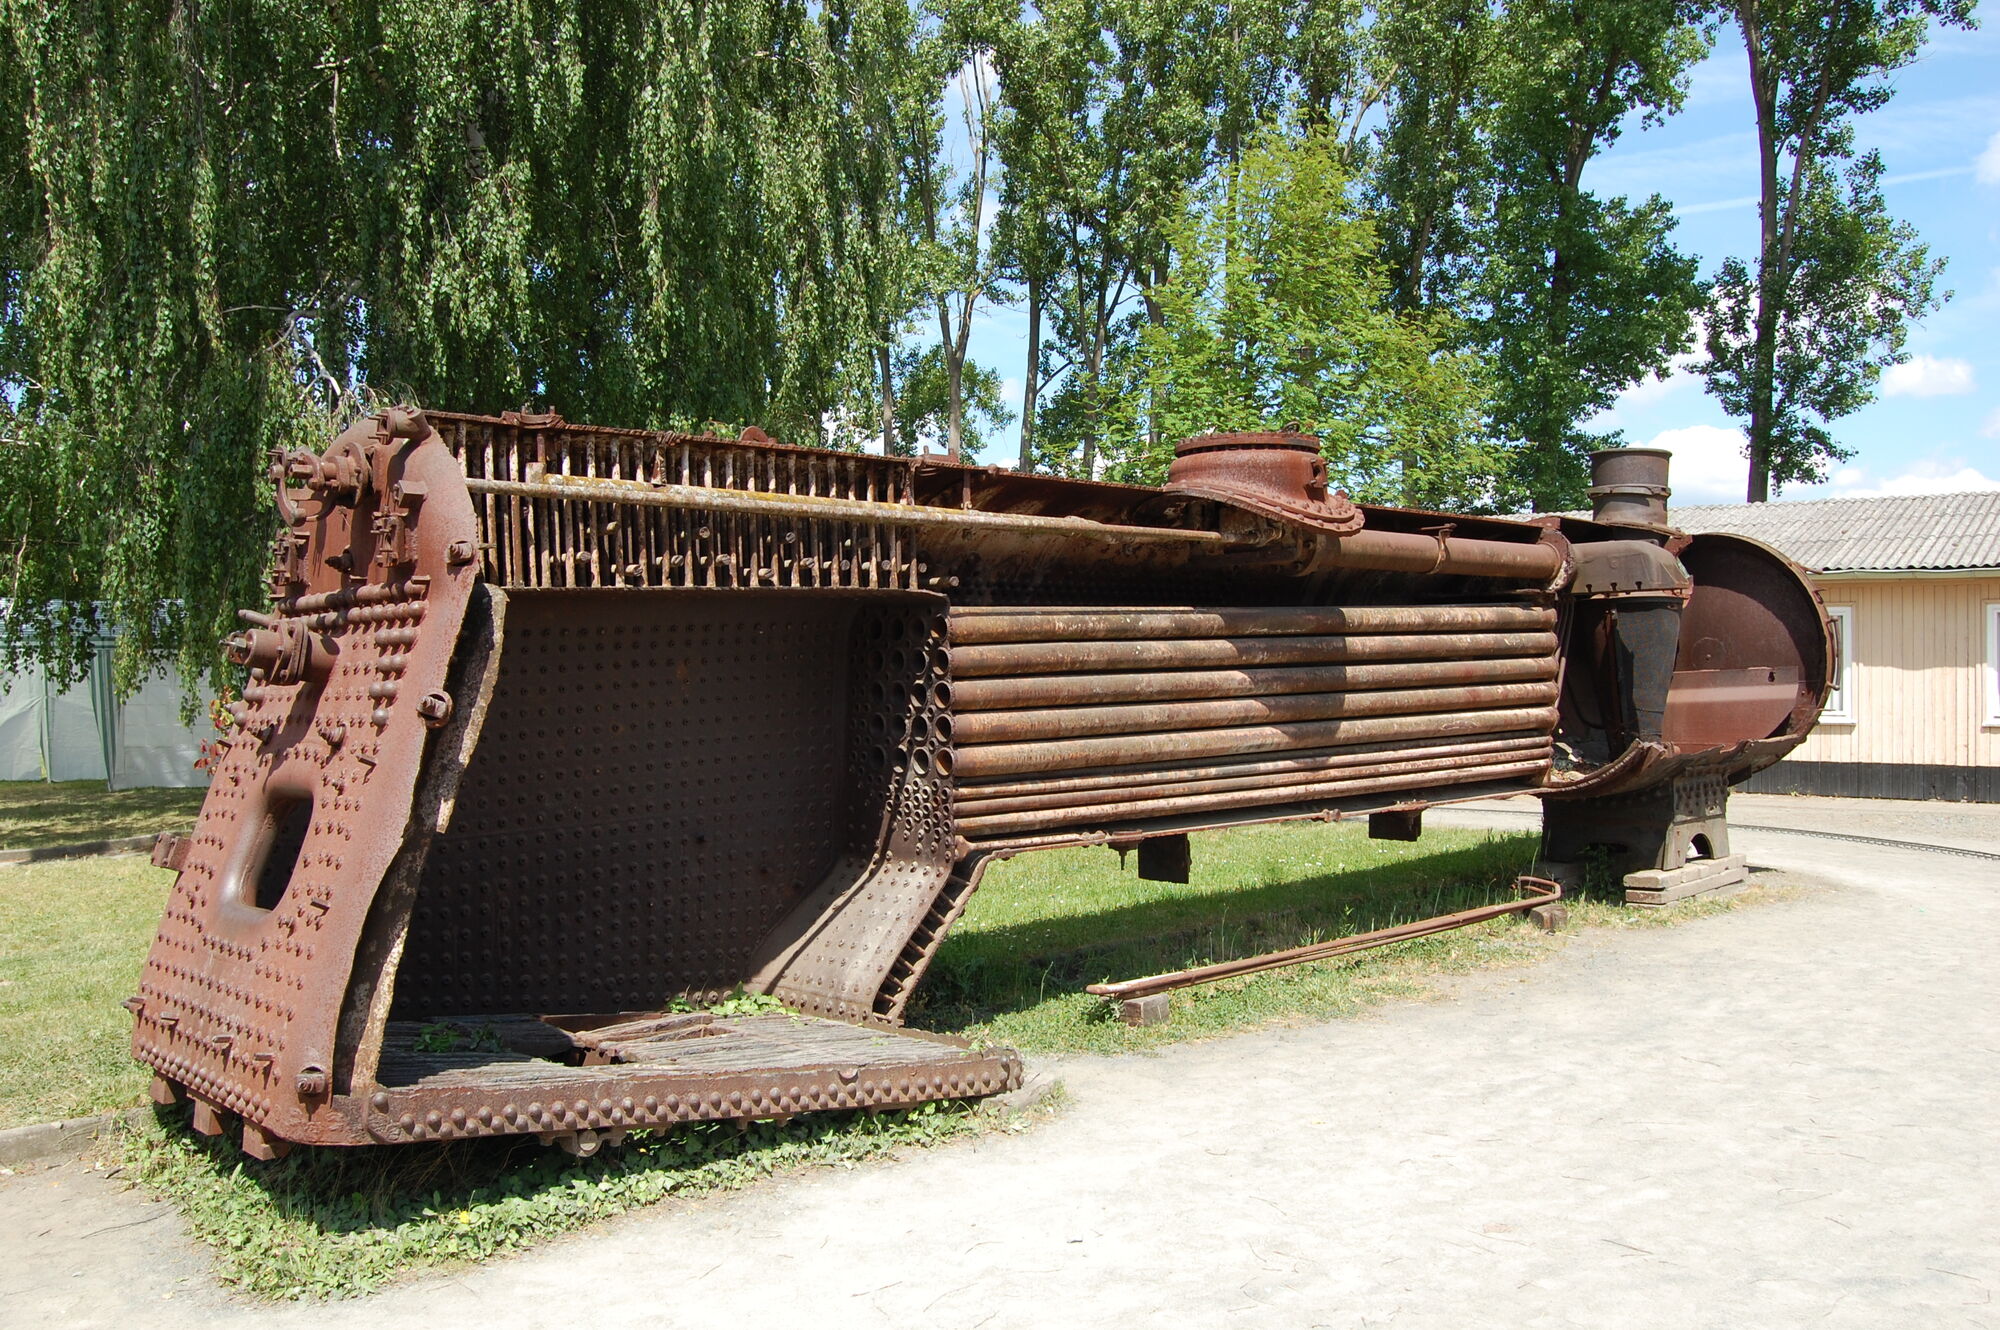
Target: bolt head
(435, 708)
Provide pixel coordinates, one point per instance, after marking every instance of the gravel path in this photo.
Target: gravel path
(1779, 1116)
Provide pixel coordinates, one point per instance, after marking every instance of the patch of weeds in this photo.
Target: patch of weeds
(740, 1002)
(326, 1223)
(1598, 877)
(452, 1037)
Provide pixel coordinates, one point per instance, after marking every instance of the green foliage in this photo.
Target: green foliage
(740, 1002)
(1433, 186)
(1275, 315)
(337, 1222)
(453, 1036)
(228, 227)
(923, 403)
(1582, 296)
(1854, 279)
(1041, 927)
(1799, 337)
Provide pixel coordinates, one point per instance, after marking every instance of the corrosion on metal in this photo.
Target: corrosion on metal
(550, 730)
(1535, 892)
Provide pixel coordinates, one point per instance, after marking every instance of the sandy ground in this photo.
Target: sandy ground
(1780, 1116)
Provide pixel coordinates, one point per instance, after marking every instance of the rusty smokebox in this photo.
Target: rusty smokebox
(1628, 487)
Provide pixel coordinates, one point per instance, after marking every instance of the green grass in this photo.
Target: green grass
(1043, 926)
(36, 813)
(72, 937)
(328, 1223)
(333, 1223)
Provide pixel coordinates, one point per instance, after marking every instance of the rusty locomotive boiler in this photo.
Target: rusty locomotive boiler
(555, 731)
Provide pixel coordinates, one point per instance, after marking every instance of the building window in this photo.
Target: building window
(1840, 702)
(1992, 670)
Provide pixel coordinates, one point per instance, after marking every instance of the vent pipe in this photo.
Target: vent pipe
(1628, 487)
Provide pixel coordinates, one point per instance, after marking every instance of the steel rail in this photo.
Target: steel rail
(1885, 842)
(1549, 893)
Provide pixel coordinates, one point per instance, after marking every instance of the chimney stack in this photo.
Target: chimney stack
(1628, 487)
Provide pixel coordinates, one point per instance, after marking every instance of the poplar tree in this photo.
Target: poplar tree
(1582, 296)
(1798, 337)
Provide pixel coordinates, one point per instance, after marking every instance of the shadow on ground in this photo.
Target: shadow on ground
(983, 972)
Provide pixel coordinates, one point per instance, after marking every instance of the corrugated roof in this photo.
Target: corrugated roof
(1906, 531)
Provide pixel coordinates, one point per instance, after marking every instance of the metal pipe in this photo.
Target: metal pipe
(969, 662)
(760, 503)
(1049, 690)
(1118, 778)
(1446, 556)
(1125, 749)
(1548, 893)
(1535, 750)
(999, 824)
(1045, 624)
(984, 727)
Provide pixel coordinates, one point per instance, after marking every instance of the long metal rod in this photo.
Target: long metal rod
(1128, 749)
(761, 503)
(1011, 658)
(978, 624)
(1138, 810)
(1052, 690)
(1325, 759)
(1538, 750)
(1155, 717)
(1548, 893)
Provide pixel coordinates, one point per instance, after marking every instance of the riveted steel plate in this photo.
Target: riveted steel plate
(660, 777)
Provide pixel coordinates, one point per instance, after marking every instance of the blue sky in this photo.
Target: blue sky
(1936, 425)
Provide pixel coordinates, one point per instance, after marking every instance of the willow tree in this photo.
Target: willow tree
(230, 225)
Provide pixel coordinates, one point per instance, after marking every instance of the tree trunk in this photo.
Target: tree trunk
(1094, 366)
(1764, 370)
(1031, 384)
(888, 400)
(954, 362)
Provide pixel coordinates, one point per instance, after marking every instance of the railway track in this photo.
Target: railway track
(1882, 841)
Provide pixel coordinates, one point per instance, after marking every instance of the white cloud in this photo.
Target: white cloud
(1929, 376)
(1988, 166)
(1708, 166)
(1709, 464)
(1650, 391)
(1953, 477)
(1940, 481)
(1656, 388)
